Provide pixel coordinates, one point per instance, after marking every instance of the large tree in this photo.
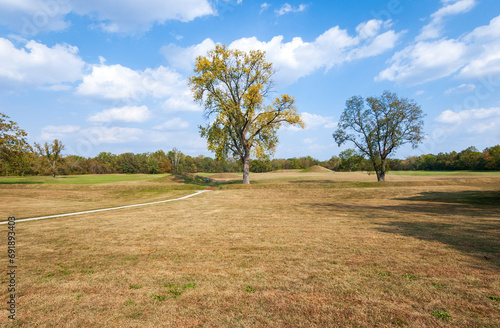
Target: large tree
(233, 86)
(52, 153)
(386, 123)
(15, 152)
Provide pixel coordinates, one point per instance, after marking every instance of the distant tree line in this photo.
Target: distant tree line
(17, 157)
(174, 161)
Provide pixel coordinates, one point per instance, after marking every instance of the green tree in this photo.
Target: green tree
(15, 153)
(387, 123)
(233, 86)
(350, 160)
(332, 164)
(129, 163)
(492, 158)
(51, 153)
(176, 158)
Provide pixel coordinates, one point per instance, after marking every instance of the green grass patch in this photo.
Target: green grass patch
(441, 314)
(134, 287)
(81, 179)
(435, 173)
(249, 289)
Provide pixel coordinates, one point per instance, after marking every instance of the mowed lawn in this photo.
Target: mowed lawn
(291, 250)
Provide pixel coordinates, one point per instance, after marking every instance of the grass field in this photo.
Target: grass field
(313, 249)
(447, 173)
(80, 179)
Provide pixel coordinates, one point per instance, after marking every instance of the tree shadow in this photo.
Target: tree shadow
(468, 221)
(198, 180)
(472, 198)
(476, 239)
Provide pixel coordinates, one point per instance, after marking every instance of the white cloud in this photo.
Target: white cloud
(472, 55)
(466, 116)
(117, 82)
(33, 16)
(425, 61)
(287, 8)
(174, 124)
(183, 58)
(30, 17)
(314, 121)
(485, 48)
(433, 30)
(298, 58)
(51, 132)
(101, 134)
(369, 29)
(482, 125)
(123, 114)
(181, 103)
(463, 88)
(38, 64)
(264, 7)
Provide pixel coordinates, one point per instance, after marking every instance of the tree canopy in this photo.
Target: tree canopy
(14, 148)
(233, 86)
(51, 152)
(380, 128)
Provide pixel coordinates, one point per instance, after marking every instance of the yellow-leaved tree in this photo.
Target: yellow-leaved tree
(233, 86)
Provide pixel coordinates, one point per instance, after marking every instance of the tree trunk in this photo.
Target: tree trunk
(246, 168)
(381, 174)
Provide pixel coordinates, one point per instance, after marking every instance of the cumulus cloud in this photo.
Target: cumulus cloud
(51, 132)
(287, 9)
(33, 16)
(101, 134)
(181, 103)
(451, 117)
(183, 58)
(298, 58)
(472, 121)
(484, 44)
(39, 65)
(124, 114)
(174, 124)
(425, 61)
(473, 55)
(314, 121)
(434, 29)
(117, 82)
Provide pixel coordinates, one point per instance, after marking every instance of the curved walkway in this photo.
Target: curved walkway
(108, 209)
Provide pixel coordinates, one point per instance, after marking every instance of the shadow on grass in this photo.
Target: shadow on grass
(476, 239)
(471, 198)
(468, 221)
(198, 180)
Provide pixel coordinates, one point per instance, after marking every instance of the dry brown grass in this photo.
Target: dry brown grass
(288, 251)
(31, 200)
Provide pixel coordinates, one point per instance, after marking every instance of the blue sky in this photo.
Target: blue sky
(106, 77)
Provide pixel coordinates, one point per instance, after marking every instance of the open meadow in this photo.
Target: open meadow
(293, 249)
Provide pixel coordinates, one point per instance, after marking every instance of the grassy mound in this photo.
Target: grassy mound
(317, 169)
